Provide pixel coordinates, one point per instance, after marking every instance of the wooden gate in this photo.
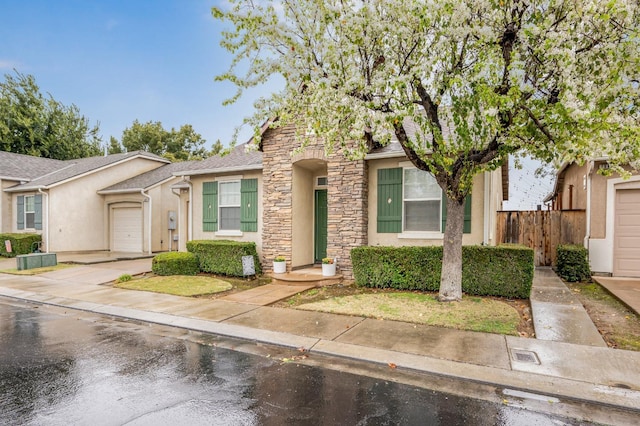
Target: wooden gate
(542, 230)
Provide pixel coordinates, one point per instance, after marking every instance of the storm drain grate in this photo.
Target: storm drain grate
(525, 356)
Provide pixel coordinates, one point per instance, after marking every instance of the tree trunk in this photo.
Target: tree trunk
(451, 278)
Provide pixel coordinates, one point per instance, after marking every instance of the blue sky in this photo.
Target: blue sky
(122, 60)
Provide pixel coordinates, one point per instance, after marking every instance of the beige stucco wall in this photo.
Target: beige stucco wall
(302, 199)
(392, 239)
(198, 233)
(78, 219)
(5, 206)
(575, 177)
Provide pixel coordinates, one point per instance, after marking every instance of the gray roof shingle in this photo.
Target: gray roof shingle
(73, 168)
(240, 158)
(149, 179)
(24, 168)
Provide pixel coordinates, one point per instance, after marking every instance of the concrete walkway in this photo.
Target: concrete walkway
(547, 368)
(558, 315)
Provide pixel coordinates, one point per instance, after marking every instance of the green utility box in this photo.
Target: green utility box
(36, 260)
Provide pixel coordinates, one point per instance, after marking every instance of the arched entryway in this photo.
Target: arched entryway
(309, 211)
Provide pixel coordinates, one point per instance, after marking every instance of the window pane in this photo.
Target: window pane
(422, 216)
(29, 204)
(229, 193)
(420, 185)
(230, 218)
(30, 220)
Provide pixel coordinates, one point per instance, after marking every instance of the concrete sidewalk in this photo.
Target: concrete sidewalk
(548, 368)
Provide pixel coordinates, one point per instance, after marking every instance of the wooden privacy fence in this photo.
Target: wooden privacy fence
(542, 230)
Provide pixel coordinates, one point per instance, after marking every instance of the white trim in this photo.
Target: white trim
(229, 233)
(487, 209)
(415, 235)
(45, 218)
(601, 249)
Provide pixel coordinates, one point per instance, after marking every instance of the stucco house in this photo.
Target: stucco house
(612, 214)
(115, 202)
(309, 204)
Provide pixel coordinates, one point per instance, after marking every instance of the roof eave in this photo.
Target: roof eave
(383, 155)
(218, 170)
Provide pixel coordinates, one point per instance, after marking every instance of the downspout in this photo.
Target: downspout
(487, 208)
(179, 227)
(587, 236)
(190, 212)
(148, 197)
(46, 220)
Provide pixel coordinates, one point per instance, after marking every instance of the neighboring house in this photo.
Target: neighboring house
(62, 200)
(612, 207)
(310, 205)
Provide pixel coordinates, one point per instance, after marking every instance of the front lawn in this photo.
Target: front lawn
(36, 271)
(178, 285)
(474, 313)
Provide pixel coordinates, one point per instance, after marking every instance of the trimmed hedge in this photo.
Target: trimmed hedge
(175, 263)
(20, 243)
(223, 257)
(573, 263)
(505, 271)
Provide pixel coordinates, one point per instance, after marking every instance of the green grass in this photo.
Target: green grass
(36, 271)
(179, 285)
(472, 313)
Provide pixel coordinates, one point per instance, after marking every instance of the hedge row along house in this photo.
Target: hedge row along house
(612, 214)
(304, 206)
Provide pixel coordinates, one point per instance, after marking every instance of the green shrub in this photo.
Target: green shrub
(224, 257)
(124, 278)
(20, 243)
(175, 263)
(505, 271)
(573, 263)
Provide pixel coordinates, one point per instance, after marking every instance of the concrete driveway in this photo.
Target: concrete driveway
(100, 273)
(625, 289)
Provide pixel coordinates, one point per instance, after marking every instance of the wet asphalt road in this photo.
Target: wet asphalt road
(61, 367)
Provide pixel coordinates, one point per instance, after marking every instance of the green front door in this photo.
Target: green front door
(320, 225)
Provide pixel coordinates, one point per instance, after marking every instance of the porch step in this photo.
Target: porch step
(305, 279)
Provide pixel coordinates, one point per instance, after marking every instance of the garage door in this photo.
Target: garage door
(626, 251)
(127, 230)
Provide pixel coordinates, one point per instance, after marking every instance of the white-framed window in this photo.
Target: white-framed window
(229, 205)
(422, 198)
(29, 212)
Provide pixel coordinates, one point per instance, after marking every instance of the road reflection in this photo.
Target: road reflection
(64, 367)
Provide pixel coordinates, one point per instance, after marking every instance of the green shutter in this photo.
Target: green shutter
(390, 200)
(20, 211)
(38, 211)
(210, 206)
(467, 213)
(249, 205)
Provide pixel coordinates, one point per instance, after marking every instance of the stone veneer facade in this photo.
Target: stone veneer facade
(347, 195)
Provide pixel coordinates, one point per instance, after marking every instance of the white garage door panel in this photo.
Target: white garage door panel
(127, 230)
(626, 252)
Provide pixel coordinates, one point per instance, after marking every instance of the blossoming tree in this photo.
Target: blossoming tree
(479, 79)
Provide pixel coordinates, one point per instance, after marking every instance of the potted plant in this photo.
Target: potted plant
(279, 265)
(328, 267)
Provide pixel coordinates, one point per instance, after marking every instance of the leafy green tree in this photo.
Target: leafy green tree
(115, 147)
(33, 124)
(477, 79)
(216, 148)
(177, 145)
